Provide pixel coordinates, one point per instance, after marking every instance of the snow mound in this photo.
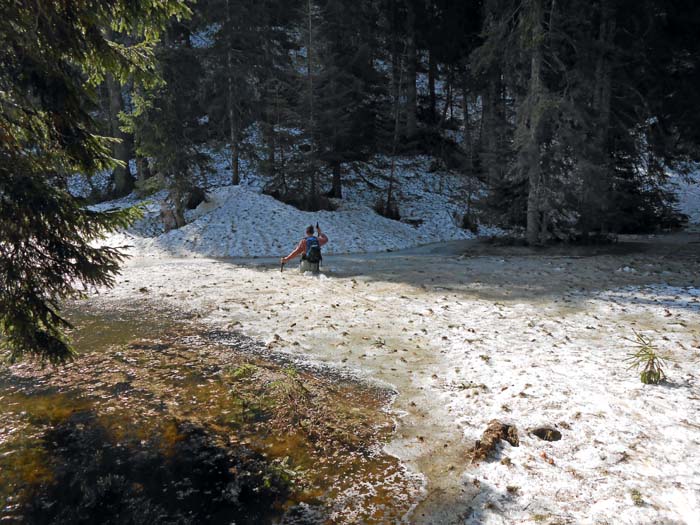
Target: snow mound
(240, 221)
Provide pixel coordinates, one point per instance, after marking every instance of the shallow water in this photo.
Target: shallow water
(158, 420)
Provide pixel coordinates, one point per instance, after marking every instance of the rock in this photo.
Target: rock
(546, 433)
(494, 433)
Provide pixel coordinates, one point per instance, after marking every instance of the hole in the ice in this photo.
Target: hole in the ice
(546, 433)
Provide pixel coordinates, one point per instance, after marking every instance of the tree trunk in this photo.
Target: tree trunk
(337, 188)
(603, 93)
(489, 136)
(268, 112)
(337, 183)
(432, 73)
(532, 137)
(411, 119)
(467, 132)
(395, 144)
(123, 181)
(396, 58)
(313, 197)
(230, 102)
(270, 147)
(268, 132)
(448, 98)
(143, 171)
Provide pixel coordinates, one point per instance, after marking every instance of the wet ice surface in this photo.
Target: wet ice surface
(159, 420)
(467, 334)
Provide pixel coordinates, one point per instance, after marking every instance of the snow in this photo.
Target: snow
(79, 186)
(688, 192)
(205, 39)
(618, 434)
(241, 221)
(238, 221)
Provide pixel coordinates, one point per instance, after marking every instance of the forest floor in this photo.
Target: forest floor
(469, 331)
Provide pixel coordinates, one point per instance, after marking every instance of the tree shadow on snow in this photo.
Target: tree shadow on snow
(479, 270)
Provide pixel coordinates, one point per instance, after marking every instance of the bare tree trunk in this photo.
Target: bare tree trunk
(230, 102)
(179, 207)
(266, 107)
(432, 73)
(268, 133)
(337, 182)
(123, 181)
(489, 131)
(490, 125)
(395, 143)
(448, 98)
(396, 58)
(337, 188)
(313, 198)
(532, 120)
(467, 133)
(270, 147)
(411, 119)
(269, 101)
(143, 171)
(603, 93)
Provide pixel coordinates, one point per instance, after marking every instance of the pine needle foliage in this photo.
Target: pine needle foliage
(647, 358)
(52, 57)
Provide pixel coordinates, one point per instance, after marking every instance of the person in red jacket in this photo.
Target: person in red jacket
(309, 248)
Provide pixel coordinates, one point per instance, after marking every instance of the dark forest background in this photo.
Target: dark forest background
(572, 113)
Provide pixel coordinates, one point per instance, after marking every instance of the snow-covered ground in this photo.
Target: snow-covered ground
(242, 221)
(521, 336)
(688, 192)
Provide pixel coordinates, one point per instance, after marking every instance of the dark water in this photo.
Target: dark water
(161, 421)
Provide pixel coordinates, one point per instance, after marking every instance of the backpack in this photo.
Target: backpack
(313, 250)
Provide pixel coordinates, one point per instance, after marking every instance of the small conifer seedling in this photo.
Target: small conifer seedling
(647, 358)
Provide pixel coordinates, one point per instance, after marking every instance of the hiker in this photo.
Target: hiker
(310, 250)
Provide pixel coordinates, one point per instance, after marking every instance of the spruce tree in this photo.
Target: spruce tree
(346, 102)
(51, 60)
(168, 118)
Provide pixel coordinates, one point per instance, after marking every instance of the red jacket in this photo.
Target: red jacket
(301, 247)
